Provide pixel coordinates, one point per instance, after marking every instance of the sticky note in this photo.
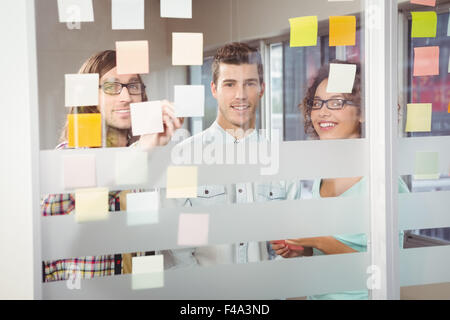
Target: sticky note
(189, 101)
(342, 31)
(176, 9)
(431, 3)
(187, 49)
(448, 24)
(132, 57)
(146, 118)
(142, 208)
(127, 14)
(426, 165)
(147, 272)
(341, 78)
(79, 171)
(182, 182)
(91, 204)
(426, 61)
(75, 11)
(193, 229)
(81, 89)
(418, 117)
(424, 24)
(303, 31)
(131, 167)
(85, 130)
(448, 108)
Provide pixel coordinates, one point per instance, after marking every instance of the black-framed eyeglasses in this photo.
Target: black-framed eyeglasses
(332, 104)
(115, 88)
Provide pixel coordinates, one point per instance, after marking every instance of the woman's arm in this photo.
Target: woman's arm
(328, 245)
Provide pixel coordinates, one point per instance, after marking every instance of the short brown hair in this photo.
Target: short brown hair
(322, 75)
(237, 53)
(101, 63)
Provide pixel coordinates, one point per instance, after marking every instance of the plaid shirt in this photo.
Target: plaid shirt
(88, 267)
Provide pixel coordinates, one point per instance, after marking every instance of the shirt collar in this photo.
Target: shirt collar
(217, 129)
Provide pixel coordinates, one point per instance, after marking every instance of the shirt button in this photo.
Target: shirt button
(271, 194)
(240, 190)
(206, 191)
(241, 243)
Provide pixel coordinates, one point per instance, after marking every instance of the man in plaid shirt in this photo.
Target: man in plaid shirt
(116, 92)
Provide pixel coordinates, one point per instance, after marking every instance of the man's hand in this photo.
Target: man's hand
(170, 122)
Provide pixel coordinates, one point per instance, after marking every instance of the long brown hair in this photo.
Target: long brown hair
(322, 75)
(101, 63)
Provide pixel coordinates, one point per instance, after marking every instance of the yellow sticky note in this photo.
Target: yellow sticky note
(342, 31)
(182, 182)
(304, 31)
(418, 118)
(132, 57)
(91, 204)
(85, 130)
(424, 24)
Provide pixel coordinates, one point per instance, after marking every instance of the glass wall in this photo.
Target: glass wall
(273, 177)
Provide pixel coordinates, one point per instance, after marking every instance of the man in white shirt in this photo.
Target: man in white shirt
(238, 87)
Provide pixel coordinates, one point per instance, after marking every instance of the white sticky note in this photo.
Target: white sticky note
(142, 208)
(81, 90)
(341, 78)
(79, 171)
(146, 118)
(181, 9)
(127, 14)
(189, 101)
(176, 9)
(187, 49)
(91, 204)
(75, 11)
(193, 229)
(147, 272)
(131, 167)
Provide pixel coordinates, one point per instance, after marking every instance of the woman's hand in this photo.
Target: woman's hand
(171, 124)
(287, 250)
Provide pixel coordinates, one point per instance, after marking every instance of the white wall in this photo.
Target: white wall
(61, 51)
(19, 234)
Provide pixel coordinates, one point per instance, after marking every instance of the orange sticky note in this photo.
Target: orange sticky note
(342, 31)
(426, 61)
(132, 57)
(448, 108)
(85, 130)
(431, 3)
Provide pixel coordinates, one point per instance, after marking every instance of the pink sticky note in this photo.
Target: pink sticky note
(132, 57)
(79, 171)
(193, 229)
(426, 61)
(431, 3)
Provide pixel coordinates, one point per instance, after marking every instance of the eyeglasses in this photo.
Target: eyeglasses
(115, 88)
(332, 104)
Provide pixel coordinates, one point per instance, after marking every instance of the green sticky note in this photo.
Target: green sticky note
(424, 24)
(304, 31)
(418, 117)
(426, 166)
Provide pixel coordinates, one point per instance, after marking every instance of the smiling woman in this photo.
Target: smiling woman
(339, 118)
